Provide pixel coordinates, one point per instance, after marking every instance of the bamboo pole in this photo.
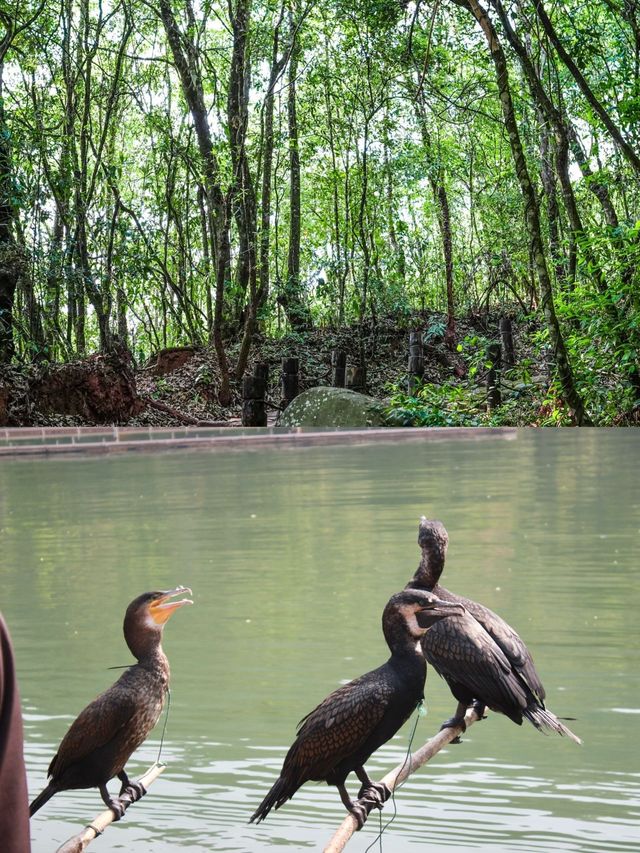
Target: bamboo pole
(98, 825)
(398, 775)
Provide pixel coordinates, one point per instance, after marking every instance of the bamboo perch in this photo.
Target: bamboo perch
(398, 775)
(98, 825)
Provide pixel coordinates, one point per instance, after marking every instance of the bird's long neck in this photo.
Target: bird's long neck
(429, 570)
(408, 660)
(145, 643)
(155, 660)
(402, 644)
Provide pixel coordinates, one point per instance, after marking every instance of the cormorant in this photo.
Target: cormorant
(480, 656)
(352, 722)
(103, 736)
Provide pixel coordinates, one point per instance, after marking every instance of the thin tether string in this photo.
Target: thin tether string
(164, 727)
(393, 793)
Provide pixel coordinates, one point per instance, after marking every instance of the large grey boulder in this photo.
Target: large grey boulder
(333, 407)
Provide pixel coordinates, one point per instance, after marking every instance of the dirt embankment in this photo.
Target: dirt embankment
(179, 386)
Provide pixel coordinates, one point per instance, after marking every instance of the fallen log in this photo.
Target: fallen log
(398, 775)
(187, 420)
(79, 842)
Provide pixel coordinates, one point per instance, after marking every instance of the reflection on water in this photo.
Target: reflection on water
(291, 556)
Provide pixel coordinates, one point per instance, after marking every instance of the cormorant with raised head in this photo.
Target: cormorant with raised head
(103, 736)
(352, 722)
(480, 656)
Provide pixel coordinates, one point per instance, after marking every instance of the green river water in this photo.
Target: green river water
(291, 555)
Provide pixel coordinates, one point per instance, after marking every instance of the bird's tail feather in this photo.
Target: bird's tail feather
(545, 720)
(41, 799)
(279, 794)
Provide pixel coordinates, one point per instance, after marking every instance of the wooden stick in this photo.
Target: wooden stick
(98, 825)
(397, 776)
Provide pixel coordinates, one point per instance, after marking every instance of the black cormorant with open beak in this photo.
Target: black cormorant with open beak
(104, 735)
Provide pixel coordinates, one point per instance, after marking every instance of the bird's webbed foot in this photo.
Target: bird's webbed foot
(114, 803)
(362, 806)
(360, 810)
(132, 793)
(454, 723)
(371, 796)
(457, 721)
(377, 791)
(134, 790)
(117, 807)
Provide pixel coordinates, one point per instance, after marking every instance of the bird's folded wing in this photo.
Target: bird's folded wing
(93, 728)
(461, 650)
(510, 643)
(340, 724)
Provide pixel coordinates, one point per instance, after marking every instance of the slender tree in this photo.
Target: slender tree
(532, 215)
(185, 57)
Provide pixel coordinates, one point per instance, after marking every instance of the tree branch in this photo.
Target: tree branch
(398, 775)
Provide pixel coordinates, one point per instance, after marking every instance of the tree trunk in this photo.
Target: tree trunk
(444, 221)
(12, 254)
(439, 190)
(242, 190)
(84, 274)
(599, 189)
(341, 261)
(9, 266)
(548, 179)
(398, 252)
(277, 66)
(222, 265)
(547, 113)
(364, 244)
(532, 215)
(614, 131)
(566, 136)
(297, 313)
(185, 58)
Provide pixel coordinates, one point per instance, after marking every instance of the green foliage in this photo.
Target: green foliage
(464, 404)
(433, 405)
(473, 349)
(378, 14)
(435, 331)
(395, 104)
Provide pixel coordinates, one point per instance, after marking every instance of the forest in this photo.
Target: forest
(230, 176)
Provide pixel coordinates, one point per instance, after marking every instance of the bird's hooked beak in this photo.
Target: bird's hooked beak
(436, 610)
(161, 608)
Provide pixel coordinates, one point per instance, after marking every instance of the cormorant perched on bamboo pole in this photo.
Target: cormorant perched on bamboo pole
(103, 736)
(480, 656)
(340, 734)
